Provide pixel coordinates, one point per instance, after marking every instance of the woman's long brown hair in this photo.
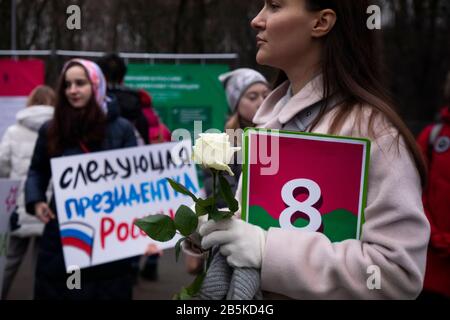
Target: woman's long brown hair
(41, 95)
(70, 126)
(351, 67)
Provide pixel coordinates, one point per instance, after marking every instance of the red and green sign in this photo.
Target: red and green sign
(305, 182)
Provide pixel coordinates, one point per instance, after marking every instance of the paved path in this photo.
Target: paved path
(172, 277)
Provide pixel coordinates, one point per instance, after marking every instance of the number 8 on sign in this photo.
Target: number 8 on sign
(306, 207)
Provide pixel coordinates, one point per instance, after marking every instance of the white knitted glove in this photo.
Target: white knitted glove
(241, 243)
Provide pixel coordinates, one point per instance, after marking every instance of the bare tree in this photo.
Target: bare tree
(417, 53)
(416, 37)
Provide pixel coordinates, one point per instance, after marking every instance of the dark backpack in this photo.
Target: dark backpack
(131, 109)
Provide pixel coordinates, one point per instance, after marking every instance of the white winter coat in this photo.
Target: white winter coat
(16, 150)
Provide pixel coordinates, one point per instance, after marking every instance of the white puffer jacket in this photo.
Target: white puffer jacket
(16, 150)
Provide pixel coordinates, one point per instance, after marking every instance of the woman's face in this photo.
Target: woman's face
(284, 32)
(78, 87)
(251, 100)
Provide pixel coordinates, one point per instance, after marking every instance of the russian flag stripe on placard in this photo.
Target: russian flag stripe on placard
(77, 234)
(73, 225)
(77, 243)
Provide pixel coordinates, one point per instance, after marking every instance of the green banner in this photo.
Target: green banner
(183, 93)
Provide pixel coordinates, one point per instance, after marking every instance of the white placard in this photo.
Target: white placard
(99, 195)
(9, 190)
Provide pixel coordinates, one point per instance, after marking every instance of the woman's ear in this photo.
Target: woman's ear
(325, 21)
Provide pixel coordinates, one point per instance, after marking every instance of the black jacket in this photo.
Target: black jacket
(50, 270)
(130, 107)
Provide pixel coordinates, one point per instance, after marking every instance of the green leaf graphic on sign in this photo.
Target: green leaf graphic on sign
(262, 218)
(338, 225)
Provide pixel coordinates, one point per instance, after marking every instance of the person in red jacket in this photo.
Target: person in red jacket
(435, 144)
(157, 131)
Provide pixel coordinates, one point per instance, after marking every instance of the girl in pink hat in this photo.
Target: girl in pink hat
(85, 120)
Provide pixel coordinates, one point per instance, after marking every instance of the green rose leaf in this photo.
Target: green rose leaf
(181, 189)
(192, 290)
(185, 220)
(217, 215)
(196, 285)
(159, 227)
(178, 248)
(227, 194)
(204, 206)
(182, 295)
(227, 214)
(199, 210)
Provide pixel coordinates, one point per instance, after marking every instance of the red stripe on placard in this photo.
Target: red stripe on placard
(77, 243)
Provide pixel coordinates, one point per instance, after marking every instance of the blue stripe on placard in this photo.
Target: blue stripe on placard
(77, 234)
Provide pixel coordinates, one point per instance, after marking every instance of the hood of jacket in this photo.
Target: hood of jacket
(281, 106)
(33, 117)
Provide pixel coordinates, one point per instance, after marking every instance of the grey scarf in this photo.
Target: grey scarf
(224, 282)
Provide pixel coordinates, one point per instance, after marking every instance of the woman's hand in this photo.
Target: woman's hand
(153, 249)
(241, 243)
(43, 212)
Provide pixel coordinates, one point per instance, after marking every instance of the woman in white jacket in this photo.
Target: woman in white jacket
(16, 150)
(329, 83)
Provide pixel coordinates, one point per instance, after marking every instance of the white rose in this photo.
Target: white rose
(213, 150)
